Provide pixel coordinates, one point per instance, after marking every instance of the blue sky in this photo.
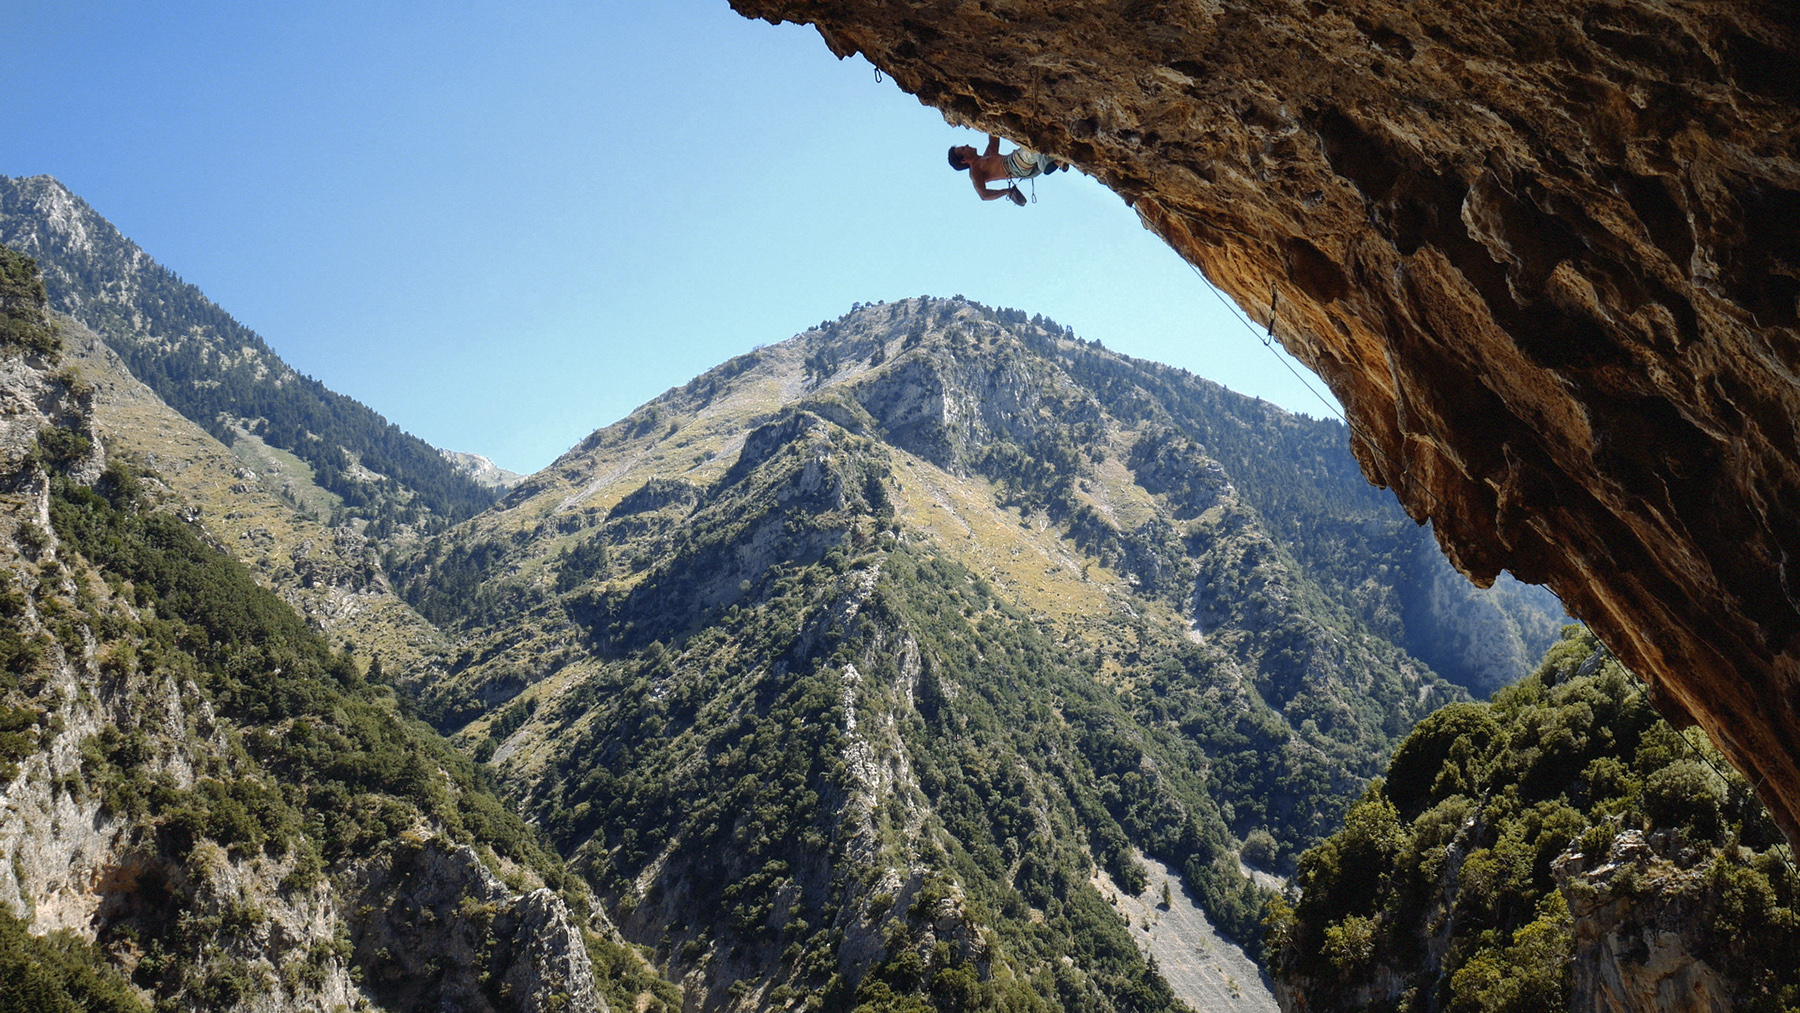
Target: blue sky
(505, 225)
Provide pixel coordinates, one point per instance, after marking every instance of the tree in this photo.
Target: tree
(23, 323)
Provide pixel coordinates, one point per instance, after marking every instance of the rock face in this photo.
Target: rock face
(1546, 256)
(1642, 925)
(482, 470)
(443, 931)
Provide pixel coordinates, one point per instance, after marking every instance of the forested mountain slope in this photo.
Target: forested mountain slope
(884, 633)
(1561, 848)
(331, 455)
(856, 672)
(204, 804)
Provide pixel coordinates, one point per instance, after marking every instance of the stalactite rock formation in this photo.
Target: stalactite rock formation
(1547, 256)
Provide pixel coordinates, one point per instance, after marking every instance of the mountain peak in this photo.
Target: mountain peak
(61, 219)
(357, 469)
(881, 544)
(482, 470)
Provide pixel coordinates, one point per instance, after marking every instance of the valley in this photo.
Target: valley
(893, 665)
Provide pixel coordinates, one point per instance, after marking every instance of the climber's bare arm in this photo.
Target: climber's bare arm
(986, 194)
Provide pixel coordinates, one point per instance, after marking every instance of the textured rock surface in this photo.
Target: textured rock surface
(1546, 256)
(442, 932)
(482, 470)
(1643, 926)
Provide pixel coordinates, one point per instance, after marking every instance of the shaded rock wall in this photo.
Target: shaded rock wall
(1546, 256)
(1644, 926)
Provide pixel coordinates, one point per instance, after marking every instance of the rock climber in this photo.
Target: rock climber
(990, 165)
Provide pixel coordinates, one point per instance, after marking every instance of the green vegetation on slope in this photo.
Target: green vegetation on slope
(1245, 494)
(300, 760)
(908, 633)
(1349, 536)
(22, 322)
(219, 373)
(253, 813)
(995, 690)
(1457, 875)
(332, 433)
(362, 774)
(1009, 800)
(742, 684)
(58, 973)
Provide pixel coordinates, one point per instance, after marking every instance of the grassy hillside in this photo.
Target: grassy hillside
(224, 378)
(245, 501)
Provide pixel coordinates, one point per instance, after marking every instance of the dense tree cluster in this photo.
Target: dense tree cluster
(1443, 880)
(22, 321)
(260, 664)
(58, 973)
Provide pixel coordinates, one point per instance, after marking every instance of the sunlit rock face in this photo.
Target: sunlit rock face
(1546, 255)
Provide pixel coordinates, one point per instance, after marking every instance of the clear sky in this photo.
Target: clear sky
(504, 225)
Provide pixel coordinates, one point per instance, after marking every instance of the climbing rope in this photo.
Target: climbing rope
(1781, 848)
(1268, 340)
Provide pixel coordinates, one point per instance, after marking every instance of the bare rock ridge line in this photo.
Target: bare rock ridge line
(1546, 256)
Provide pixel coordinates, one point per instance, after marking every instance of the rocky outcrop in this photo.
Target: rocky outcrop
(44, 412)
(482, 470)
(1646, 922)
(1546, 256)
(439, 931)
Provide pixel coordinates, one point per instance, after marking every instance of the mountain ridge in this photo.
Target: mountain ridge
(223, 376)
(854, 671)
(828, 531)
